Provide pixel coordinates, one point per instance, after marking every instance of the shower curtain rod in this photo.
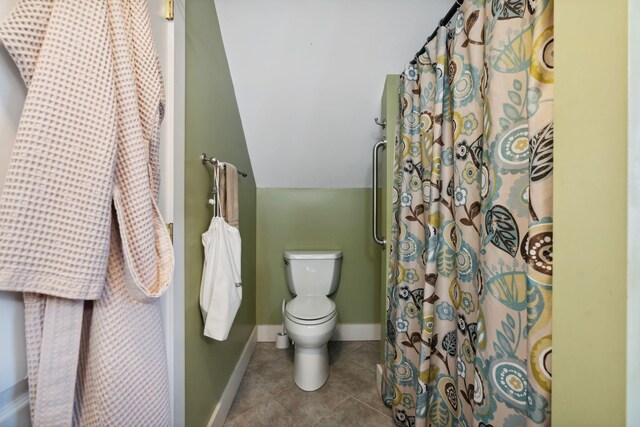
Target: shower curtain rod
(444, 21)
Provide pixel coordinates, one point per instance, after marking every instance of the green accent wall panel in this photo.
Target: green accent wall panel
(318, 219)
(590, 214)
(213, 126)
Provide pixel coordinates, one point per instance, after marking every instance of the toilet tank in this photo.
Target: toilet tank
(313, 272)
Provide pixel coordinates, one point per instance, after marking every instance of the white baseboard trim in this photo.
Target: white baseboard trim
(357, 332)
(344, 332)
(221, 411)
(267, 333)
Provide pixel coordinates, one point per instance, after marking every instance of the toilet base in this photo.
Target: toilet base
(310, 367)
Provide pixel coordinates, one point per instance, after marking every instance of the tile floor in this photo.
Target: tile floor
(269, 397)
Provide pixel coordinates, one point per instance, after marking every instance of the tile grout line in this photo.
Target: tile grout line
(252, 409)
(285, 407)
(354, 350)
(360, 364)
(283, 390)
(250, 383)
(273, 398)
(329, 411)
(347, 396)
(371, 407)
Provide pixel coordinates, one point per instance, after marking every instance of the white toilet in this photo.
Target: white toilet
(310, 318)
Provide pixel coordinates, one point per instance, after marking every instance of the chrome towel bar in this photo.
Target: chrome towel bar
(205, 159)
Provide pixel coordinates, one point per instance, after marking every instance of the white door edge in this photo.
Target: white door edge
(172, 54)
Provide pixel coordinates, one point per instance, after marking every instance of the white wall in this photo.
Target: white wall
(308, 76)
(13, 368)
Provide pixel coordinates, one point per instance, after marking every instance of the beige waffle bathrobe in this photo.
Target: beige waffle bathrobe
(80, 231)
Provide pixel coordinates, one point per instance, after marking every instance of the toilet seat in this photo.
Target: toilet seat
(310, 309)
(311, 322)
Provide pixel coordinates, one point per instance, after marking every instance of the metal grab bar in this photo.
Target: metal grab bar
(382, 242)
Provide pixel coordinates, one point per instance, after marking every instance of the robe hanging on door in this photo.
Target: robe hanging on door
(80, 230)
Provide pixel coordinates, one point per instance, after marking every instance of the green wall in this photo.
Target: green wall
(590, 207)
(313, 219)
(213, 126)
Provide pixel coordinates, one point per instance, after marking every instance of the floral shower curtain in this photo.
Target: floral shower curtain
(469, 298)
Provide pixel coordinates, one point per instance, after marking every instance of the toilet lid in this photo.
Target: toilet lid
(310, 307)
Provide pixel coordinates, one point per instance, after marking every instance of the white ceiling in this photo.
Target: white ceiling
(308, 76)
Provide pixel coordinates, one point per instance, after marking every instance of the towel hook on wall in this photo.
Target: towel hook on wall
(382, 124)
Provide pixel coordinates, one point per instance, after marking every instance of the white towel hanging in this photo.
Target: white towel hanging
(221, 286)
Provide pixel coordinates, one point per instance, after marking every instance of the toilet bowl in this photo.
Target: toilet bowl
(311, 317)
(310, 331)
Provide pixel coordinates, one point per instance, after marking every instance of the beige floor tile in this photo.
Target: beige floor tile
(271, 371)
(266, 355)
(268, 414)
(269, 396)
(350, 376)
(249, 396)
(287, 353)
(265, 346)
(371, 397)
(367, 354)
(271, 348)
(311, 405)
(358, 381)
(260, 358)
(352, 413)
(339, 349)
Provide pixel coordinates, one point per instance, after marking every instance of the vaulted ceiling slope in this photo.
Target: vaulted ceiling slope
(308, 76)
